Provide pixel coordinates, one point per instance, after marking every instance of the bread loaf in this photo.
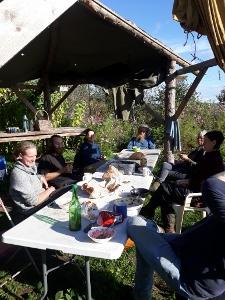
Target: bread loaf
(137, 156)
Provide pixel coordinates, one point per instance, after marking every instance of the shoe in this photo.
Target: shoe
(154, 186)
(129, 244)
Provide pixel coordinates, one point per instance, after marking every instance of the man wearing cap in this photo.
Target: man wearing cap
(142, 140)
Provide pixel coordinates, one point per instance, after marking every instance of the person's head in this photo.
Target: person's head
(143, 130)
(56, 144)
(27, 153)
(200, 137)
(213, 140)
(90, 136)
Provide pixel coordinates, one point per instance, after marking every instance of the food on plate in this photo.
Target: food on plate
(87, 188)
(90, 210)
(130, 201)
(110, 173)
(101, 234)
(136, 155)
(112, 178)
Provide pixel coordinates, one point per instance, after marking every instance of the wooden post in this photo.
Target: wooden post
(170, 96)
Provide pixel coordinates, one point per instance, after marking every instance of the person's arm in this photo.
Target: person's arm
(130, 144)
(52, 175)
(44, 195)
(151, 144)
(185, 157)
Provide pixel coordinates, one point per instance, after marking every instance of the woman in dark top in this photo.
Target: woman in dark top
(181, 168)
(174, 192)
(191, 263)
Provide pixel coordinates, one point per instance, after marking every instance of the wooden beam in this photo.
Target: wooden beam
(108, 15)
(21, 21)
(190, 93)
(191, 69)
(63, 98)
(40, 135)
(22, 98)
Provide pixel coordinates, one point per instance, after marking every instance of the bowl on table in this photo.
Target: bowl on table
(101, 234)
(134, 205)
(141, 192)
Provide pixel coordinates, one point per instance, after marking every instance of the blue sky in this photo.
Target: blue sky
(155, 17)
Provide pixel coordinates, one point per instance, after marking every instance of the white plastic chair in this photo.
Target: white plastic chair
(32, 262)
(180, 209)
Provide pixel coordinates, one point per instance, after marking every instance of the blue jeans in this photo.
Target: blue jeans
(153, 253)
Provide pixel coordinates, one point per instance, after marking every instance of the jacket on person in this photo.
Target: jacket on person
(25, 186)
(143, 144)
(209, 164)
(89, 153)
(202, 247)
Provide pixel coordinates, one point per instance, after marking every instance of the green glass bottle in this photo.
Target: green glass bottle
(74, 211)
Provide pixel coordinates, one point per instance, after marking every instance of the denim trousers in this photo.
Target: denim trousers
(154, 254)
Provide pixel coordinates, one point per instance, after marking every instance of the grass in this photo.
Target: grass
(111, 279)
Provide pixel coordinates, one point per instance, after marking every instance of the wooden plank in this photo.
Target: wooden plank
(191, 69)
(21, 21)
(40, 135)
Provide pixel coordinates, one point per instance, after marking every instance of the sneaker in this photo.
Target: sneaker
(154, 186)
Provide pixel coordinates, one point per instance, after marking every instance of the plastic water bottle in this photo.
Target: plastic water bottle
(25, 123)
(74, 211)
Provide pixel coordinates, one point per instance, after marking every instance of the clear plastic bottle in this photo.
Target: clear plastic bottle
(74, 211)
(25, 123)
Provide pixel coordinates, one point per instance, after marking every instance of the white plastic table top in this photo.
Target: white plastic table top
(48, 228)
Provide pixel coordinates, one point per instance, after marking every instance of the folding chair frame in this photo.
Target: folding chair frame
(26, 250)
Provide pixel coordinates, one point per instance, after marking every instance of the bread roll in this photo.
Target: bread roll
(137, 156)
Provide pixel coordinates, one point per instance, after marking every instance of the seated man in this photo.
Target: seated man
(191, 263)
(142, 140)
(88, 157)
(27, 188)
(53, 166)
(182, 167)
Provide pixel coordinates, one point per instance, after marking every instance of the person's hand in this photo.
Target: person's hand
(44, 182)
(183, 156)
(51, 189)
(141, 136)
(182, 182)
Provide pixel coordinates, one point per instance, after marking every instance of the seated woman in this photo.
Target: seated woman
(142, 140)
(27, 188)
(53, 165)
(181, 168)
(89, 155)
(191, 263)
(174, 192)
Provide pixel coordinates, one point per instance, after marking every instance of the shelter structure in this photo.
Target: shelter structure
(71, 42)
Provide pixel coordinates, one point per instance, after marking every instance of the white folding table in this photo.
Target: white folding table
(48, 227)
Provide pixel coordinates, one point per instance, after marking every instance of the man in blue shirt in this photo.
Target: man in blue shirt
(142, 140)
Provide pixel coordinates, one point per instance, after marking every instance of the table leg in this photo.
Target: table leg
(45, 274)
(88, 278)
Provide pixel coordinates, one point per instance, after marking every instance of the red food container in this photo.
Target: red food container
(105, 218)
